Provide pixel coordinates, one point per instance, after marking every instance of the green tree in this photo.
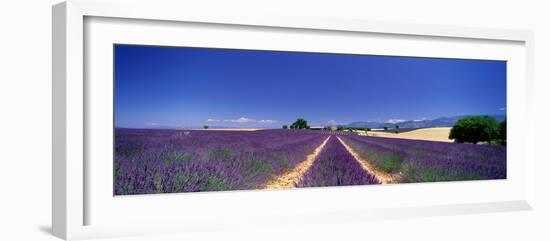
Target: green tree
(474, 129)
(299, 124)
(396, 126)
(285, 126)
(385, 128)
(340, 128)
(205, 126)
(502, 132)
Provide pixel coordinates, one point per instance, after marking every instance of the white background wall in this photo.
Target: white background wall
(25, 122)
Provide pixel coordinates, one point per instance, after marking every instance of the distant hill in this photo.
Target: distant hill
(439, 122)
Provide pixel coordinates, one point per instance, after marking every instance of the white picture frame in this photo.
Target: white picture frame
(73, 198)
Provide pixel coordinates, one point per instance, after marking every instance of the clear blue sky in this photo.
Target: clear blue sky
(190, 87)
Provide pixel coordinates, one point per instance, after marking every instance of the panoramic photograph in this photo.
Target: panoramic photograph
(190, 119)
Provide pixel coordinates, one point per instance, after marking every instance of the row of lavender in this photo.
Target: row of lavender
(335, 166)
(167, 161)
(428, 161)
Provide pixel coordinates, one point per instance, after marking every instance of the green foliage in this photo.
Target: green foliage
(205, 126)
(182, 179)
(282, 160)
(220, 154)
(285, 126)
(502, 132)
(256, 167)
(170, 157)
(299, 124)
(474, 129)
(213, 183)
(360, 129)
(131, 149)
(385, 128)
(391, 163)
(158, 182)
(430, 175)
(340, 128)
(396, 126)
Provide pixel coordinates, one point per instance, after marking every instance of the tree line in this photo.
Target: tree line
(470, 129)
(475, 129)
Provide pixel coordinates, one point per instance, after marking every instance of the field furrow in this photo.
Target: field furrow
(380, 176)
(289, 179)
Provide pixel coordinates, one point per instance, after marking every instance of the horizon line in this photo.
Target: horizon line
(160, 126)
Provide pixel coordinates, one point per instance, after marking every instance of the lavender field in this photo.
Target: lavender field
(430, 161)
(165, 161)
(168, 161)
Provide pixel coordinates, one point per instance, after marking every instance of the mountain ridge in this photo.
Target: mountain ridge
(437, 122)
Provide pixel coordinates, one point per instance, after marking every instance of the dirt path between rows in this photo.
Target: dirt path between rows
(382, 177)
(289, 179)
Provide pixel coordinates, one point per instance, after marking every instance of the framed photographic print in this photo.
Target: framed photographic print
(191, 119)
(198, 121)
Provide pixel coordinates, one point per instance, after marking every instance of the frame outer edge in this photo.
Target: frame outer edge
(172, 11)
(59, 120)
(75, 119)
(67, 120)
(68, 85)
(531, 94)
